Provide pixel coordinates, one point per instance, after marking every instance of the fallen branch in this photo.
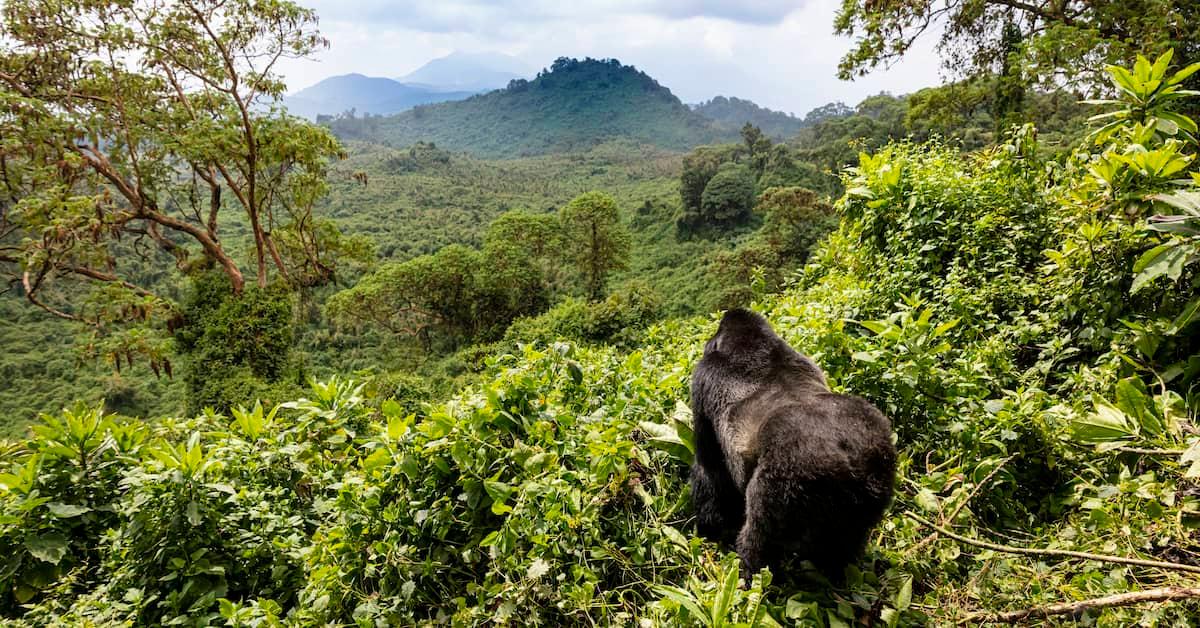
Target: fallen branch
(1150, 452)
(1010, 549)
(1166, 594)
(950, 519)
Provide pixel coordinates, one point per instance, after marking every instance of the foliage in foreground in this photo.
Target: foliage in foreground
(1025, 324)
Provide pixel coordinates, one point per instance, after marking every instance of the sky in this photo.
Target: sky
(781, 54)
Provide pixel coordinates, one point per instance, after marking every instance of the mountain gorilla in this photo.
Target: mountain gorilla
(781, 460)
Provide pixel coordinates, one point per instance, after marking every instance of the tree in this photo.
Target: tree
(414, 298)
(729, 195)
(698, 167)
(827, 111)
(795, 220)
(522, 250)
(1055, 42)
(130, 132)
(595, 237)
(236, 349)
(758, 146)
(459, 293)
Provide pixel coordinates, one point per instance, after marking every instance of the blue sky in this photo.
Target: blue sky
(781, 54)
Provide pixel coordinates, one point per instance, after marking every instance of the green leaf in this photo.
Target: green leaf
(666, 438)
(725, 595)
(904, 595)
(927, 500)
(1186, 317)
(66, 511)
(1106, 424)
(876, 326)
(49, 547)
(1183, 74)
(685, 599)
(1179, 120)
(944, 327)
(1136, 402)
(1165, 259)
(1191, 460)
(499, 492)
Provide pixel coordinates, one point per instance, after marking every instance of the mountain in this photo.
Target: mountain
(365, 94)
(733, 113)
(469, 71)
(574, 105)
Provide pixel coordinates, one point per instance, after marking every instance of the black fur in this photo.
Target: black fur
(782, 462)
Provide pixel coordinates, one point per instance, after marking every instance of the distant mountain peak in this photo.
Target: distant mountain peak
(474, 71)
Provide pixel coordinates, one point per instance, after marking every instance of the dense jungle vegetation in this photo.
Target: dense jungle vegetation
(333, 381)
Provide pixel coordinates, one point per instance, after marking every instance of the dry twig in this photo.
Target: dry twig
(1166, 594)
(1010, 549)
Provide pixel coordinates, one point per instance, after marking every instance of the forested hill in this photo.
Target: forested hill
(573, 105)
(735, 112)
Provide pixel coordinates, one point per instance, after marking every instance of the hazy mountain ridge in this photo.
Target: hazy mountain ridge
(733, 113)
(365, 94)
(575, 104)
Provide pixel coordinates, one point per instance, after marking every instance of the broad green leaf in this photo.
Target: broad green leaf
(876, 326)
(1136, 402)
(1106, 424)
(1190, 460)
(685, 599)
(1163, 260)
(1187, 316)
(904, 595)
(666, 438)
(1183, 74)
(66, 511)
(49, 547)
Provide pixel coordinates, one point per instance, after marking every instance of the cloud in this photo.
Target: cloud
(782, 55)
(475, 16)
(762, 12)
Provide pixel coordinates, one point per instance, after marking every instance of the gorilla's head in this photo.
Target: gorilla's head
(744, 340)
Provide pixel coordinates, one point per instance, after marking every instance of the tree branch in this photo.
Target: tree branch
(31, 294)
(1009, 549)
(1165, 594)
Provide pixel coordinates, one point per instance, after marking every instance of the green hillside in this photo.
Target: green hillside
(572, 106)
(732, 113)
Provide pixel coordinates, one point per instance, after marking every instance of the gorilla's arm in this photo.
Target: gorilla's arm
(719, 504)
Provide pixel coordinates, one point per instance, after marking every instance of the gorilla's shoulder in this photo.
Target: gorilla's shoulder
(855, 406)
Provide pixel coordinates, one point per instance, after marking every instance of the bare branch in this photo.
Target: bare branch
(1009, 549)
(1165, 594)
